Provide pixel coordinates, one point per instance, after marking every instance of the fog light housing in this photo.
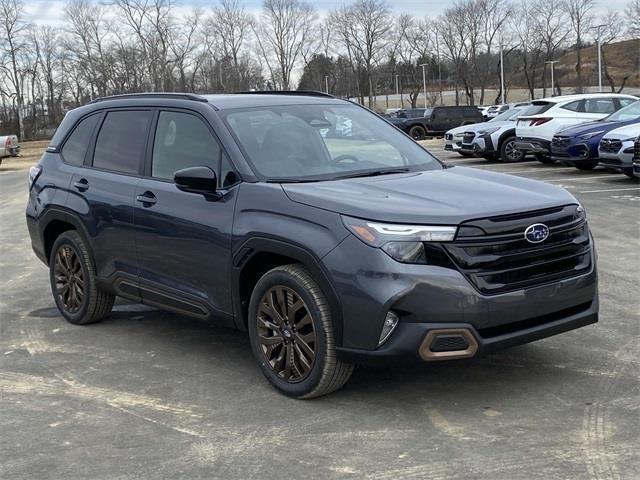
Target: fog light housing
(389, 325)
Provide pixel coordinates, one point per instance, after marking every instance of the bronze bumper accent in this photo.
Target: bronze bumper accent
(429, 356)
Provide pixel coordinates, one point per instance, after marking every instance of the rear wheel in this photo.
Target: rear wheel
(291, 334)
(73, 281)
(417, 132)
(509, 152)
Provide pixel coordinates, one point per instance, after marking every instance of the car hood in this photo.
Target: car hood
(589, 127)
(446, 197)
(632, 130)
(457, 130)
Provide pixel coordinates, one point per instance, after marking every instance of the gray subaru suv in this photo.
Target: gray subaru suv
(308, 221)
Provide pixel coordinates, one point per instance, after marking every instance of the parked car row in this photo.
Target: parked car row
(579, 130)
(535, 132)
(421, 123)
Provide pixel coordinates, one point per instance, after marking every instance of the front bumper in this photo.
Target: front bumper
(369, 284)
(621, 161)
(577, 153)
(480, 145)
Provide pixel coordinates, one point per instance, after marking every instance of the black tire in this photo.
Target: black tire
(629, 173)
(585, 165)
(418, 132)
(327, 372)
(95, 304)
(509, 152)
(542, 158)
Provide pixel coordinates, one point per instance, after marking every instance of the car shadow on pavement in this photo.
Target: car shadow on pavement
(132, 330)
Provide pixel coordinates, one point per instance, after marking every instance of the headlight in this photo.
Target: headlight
(587, 136)
(630, 139)
(403, 243)
(489, 131)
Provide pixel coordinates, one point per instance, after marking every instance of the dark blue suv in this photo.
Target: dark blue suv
(308, 221)
(578, 145)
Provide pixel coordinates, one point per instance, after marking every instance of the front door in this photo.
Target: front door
(183, 240)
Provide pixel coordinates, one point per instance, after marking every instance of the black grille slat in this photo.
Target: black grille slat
(468, 137)
(503, 260)
(560, 143)
(610, 146)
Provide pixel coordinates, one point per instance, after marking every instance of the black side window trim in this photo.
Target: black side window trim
(148, 159)
(89, 159)
(91, 138)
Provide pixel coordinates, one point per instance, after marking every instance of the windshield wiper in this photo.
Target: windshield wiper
(374, 173)
(291, 180)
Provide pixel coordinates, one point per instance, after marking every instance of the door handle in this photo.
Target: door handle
(81, 185)
(147, 198)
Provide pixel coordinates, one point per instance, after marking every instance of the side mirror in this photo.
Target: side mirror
(200, 180)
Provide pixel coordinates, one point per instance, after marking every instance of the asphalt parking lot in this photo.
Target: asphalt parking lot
(148, 394)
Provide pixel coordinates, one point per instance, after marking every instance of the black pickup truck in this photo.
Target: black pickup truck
(438, 120)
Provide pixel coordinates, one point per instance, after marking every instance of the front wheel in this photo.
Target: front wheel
(73, 281)
(509, 152)
(417, 132)
(291, 334)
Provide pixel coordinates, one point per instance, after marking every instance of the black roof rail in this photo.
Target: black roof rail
(306, 93)
(179, 96)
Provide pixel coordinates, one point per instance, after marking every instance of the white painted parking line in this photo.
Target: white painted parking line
(536, 170)
(611, 190)
(577, 179)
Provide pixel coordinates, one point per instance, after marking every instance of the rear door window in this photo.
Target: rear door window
(577, 106)
(76, 146)
(121, 141)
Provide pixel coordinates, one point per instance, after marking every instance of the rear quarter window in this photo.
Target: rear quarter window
(121, 141)
(75, 148)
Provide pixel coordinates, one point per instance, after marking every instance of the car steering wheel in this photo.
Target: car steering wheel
(345, 159)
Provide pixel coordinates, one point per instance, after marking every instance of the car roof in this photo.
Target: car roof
(581, 96)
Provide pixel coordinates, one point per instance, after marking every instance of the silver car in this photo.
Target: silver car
(616, 149)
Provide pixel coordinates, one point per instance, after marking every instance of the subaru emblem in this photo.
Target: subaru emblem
(536, 233)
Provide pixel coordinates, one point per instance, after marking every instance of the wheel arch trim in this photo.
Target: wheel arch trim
(253, 246)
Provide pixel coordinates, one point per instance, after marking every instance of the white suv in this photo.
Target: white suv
(616, 149)
(535, 132)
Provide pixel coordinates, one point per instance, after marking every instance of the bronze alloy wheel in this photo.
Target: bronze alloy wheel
(69, 279)
(286, 333)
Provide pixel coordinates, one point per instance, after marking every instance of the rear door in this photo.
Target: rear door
(102, 190)
(184, 239)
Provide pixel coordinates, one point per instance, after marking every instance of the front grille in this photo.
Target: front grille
(636, 151)
(495, 256)
(560, 143)
(610, 146)
(468, 137)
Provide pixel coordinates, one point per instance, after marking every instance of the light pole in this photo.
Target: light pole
(502, 75)
(326, 83)
(598, 27)
(424, 82)
(397, 92)
(553, 85)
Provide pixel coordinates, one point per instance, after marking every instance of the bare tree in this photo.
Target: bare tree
(632, 16)
(553, 27)
(281, 33)
(581, 13)
(365, 28)
(13, 28)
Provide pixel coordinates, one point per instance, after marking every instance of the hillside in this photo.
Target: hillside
(622, 60)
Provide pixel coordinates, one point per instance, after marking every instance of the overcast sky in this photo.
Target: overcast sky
(50, 11)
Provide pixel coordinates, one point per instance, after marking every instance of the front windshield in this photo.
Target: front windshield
(323, 142)
(630, 112)
(508, 115)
